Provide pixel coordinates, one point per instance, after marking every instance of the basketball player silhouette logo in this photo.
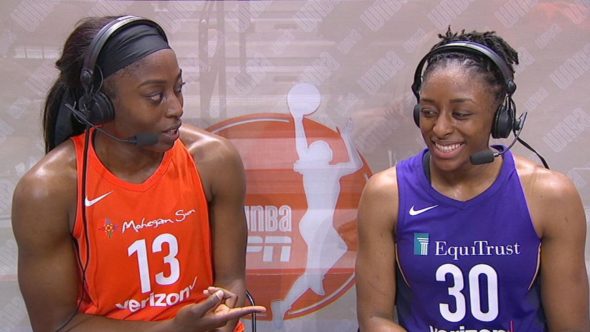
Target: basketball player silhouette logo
(302, 224)
(321, 183)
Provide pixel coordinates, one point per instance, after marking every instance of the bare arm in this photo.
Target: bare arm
(223, 178)
(559, 217)
(47, 266)
(46, 258)
(375, 263)
(229, 226)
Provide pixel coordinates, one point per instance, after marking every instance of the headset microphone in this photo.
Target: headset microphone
(487, 156)
(145, 139)
(141, 139)
(484, 157)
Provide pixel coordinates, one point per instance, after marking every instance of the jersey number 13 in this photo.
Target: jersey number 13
(139, 247)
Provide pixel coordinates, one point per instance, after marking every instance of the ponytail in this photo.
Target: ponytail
(58, 122)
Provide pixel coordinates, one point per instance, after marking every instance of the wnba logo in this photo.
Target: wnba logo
(304, 181)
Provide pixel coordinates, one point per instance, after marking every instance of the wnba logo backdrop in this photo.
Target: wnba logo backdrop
(304, 181)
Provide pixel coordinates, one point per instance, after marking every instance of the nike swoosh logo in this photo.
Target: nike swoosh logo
(417, 212)
(91, 202)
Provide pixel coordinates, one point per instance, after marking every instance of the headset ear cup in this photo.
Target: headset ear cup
(503, 122)
(101, 110)
(84, 105)
(416, 114)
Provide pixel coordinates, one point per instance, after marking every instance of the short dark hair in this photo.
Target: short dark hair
(481, 64)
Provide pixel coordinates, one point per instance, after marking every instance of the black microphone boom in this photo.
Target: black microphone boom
(483, 157)
(145, 139)
(487, 156)
(141, 139)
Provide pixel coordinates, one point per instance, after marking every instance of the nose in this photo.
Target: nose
(443, 125)
(175, 105)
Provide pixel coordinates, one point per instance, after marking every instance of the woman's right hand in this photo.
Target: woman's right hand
(213, 312)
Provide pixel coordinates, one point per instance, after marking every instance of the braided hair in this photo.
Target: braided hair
(478, 63)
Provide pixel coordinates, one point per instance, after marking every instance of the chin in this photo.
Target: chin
(451, 165)
(160, 147)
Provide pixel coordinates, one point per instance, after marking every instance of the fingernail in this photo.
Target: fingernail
(219, 294)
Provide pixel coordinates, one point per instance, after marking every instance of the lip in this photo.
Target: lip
(447, 150)
(173, 128)
(171, 134)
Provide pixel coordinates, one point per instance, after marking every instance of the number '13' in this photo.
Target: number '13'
(139, 247)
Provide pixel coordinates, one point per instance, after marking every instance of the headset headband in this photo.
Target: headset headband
(471, 48)
(103, 35)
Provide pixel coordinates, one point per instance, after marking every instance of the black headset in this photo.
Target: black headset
(94, 105)
(505, 117)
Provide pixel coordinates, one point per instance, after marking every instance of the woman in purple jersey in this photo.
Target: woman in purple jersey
(440, 243)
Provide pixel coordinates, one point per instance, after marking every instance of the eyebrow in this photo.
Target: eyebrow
(454, 100)
(158, 81)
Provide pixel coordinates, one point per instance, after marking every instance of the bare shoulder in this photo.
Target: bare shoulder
(382, 184)
(205, 146)
(378, 206)
(218, 161)
(54, 174)
(552, 197)
(47, 191)
(544, 184)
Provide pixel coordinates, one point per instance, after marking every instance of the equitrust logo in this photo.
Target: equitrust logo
(421, 244)
(304, 182)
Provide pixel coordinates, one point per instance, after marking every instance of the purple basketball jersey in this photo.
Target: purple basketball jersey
(466, 266)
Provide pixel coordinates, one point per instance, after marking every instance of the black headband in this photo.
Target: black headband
(128, 46)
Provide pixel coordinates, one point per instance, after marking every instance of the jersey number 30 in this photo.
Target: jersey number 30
(455, 290)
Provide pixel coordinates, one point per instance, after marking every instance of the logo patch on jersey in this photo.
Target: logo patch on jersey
(417, 212)
(149, 223)
(421, 244)
(477, 248)
(91, 202)
(109, 228)
(158, 299)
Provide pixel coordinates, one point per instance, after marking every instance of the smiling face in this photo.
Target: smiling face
(457, 110)
(147, 97)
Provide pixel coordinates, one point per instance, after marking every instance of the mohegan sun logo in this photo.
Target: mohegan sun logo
(109, 228)
(304, 181)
